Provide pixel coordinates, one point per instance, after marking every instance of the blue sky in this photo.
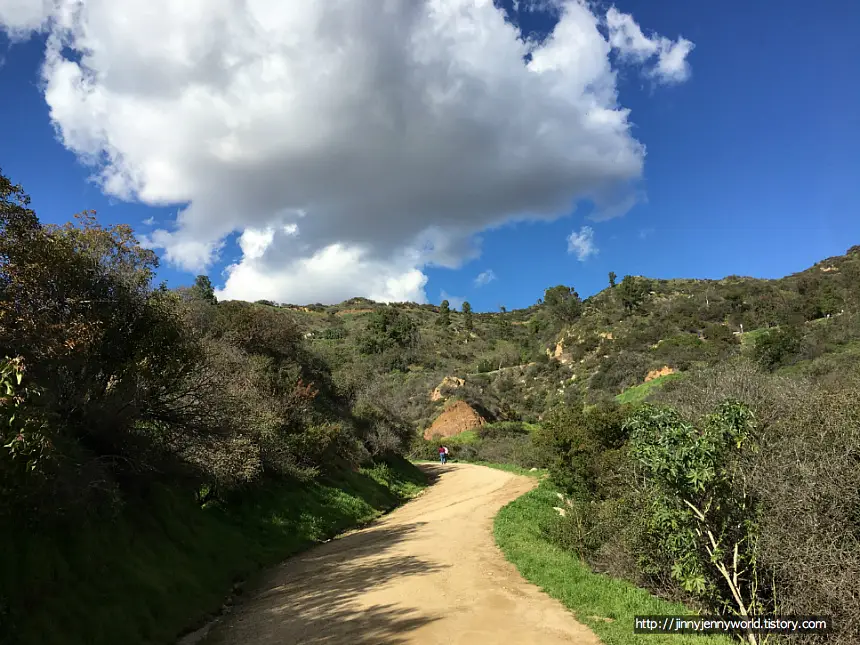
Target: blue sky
(752, 163)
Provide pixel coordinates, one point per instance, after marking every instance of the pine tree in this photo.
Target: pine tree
(467, 316)
(203, 289)
(444, 314)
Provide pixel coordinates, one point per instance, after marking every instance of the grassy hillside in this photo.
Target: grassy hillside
(165, 564)
(521, 363)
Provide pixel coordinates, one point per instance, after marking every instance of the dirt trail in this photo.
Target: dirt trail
(428, 573)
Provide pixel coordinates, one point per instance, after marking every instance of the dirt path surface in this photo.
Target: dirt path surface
(428, 573)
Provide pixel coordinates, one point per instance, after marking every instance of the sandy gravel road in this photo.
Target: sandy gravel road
(428, 573)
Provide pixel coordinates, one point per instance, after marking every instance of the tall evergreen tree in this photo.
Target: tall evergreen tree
(444, 314)
(467, 317)
(203, 289)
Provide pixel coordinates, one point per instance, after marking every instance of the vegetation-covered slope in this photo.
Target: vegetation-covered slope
(155, 445)
(519, 364)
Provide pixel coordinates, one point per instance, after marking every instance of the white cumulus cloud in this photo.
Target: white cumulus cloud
(349, 143)
(20, 17)
(485, 277)
(626, 36)
(582, 243)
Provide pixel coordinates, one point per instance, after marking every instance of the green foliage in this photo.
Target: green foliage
(204, 290)
(612, 277)
(572, 437)
(777, 347)
(444, 319)
(701, 523)
(563, 303)
(468, 322)
(632, 292)
(388, 328)
(503, 429)
(620, 371)
(680, 351)
(26, 450)
(110, 355)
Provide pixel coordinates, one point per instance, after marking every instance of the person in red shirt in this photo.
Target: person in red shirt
(443, 454)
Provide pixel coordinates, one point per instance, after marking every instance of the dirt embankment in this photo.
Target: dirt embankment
(457, 417)
(663, 371)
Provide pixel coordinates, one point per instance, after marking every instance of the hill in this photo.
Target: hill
(517, 365)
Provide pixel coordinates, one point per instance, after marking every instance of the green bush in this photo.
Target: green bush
(681, 351)
(572, 439)
(701, 520)
(502, 429)
(619, 372)
(806, 481)
(778, 347)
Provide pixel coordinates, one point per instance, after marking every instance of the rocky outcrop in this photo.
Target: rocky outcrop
(457, 417)
(559, 354)
(448, 383)
(663, 371)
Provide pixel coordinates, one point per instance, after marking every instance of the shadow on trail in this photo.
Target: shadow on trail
(432, 471)
(312, 598)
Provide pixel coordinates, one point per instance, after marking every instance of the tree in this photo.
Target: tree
(388, 328)
(467, 316)
(444, 314)
(632, 292)
(612, 277)
(563, 303)
(109, 353)
(203, 289)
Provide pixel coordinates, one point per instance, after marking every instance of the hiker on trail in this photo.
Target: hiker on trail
(443, 454)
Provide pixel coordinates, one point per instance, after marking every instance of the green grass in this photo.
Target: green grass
(165, 565)
(748, 338)
(639, 393)
(605, 604)
(465, 437)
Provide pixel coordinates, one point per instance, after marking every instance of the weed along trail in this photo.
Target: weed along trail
(427, 573)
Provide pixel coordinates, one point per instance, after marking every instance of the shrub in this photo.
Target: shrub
(485, 365)
(517, 450)
(703, 517)
(572, 440)
(806, 481)
(777, 347)
(807, 478)
(681, 351)
(502, 429)
(619, 372)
